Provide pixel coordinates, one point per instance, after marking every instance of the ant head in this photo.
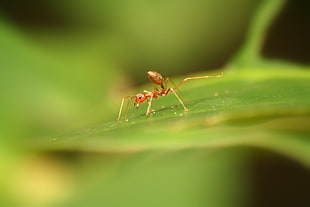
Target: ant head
(140, 97)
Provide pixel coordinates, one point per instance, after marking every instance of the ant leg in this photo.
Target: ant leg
(121, 108)
(128, 102)
(167, 81)
(199, 77)
(176, 95)
(149, 105)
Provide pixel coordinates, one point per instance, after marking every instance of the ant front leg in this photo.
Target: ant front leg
(122, 104)
(149, 105)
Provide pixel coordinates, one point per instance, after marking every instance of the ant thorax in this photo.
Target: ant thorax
(161, 92)
(151, 94)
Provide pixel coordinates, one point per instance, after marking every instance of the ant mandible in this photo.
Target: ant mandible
(157, 78)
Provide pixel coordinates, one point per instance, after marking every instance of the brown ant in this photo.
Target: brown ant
(158, 80)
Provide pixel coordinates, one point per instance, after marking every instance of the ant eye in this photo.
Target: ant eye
(140, 97)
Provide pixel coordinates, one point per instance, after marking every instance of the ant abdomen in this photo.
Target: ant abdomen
(155, 77)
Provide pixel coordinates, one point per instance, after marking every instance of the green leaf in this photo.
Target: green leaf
(199, 157)
(249, 53)
(268, 109)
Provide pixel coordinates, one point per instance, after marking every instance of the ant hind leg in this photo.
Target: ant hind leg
(176, 95)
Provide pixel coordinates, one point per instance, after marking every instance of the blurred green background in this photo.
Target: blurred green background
(66, 65)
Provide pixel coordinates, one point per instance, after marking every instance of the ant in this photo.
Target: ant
(157, 78)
